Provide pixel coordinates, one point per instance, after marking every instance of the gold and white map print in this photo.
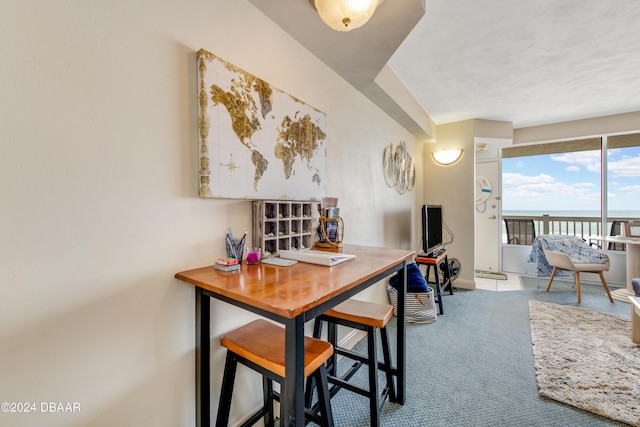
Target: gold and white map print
(256, 142)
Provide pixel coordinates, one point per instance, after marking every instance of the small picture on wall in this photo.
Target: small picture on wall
(255, 141)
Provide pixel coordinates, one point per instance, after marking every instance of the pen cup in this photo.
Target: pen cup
(235, 249)
(253, 255)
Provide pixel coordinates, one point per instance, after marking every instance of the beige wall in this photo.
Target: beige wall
(98, 176)
(453, 187)
(579, 129)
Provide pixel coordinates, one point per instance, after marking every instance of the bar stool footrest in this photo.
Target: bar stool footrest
(363, 360)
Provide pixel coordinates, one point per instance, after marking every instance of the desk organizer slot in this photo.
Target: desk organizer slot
(283, 225)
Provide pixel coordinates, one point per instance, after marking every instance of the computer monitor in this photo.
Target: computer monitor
(431, 228)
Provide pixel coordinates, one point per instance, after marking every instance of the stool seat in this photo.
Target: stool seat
(262, 343)
(365, 316)
(365, 313)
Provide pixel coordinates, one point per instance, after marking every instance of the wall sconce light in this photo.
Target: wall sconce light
(345, 15)
(447, 157)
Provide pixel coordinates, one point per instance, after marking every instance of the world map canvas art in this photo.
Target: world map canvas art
(255, 141)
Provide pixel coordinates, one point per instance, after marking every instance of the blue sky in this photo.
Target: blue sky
(571, 181)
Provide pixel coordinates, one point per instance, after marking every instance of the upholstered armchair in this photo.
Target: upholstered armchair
(570, 254)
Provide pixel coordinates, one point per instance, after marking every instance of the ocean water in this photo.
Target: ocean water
(575, 214)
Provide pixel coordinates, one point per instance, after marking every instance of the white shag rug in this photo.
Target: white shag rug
(585, 358)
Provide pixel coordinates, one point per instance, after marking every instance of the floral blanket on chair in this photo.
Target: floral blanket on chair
(578, 250)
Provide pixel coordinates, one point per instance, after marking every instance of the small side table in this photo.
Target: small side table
(436, 262)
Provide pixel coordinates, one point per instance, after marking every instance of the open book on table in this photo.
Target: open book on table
(316, 257)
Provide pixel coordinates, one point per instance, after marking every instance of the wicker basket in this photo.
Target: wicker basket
(421, 307)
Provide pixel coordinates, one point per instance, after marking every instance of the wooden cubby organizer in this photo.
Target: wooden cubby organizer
(283, 225)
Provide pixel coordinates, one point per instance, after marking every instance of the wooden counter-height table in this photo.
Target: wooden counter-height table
(633, 263)
(292, 296)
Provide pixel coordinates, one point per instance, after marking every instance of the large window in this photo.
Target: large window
(561, 185)
(561, 177)
(623, 176)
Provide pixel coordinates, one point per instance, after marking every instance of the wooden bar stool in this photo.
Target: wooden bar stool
(365, 316)
(259, 345)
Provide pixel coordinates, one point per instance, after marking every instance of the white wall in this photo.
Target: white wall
(98, 177)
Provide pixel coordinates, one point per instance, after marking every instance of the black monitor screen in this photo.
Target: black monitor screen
(431, 228)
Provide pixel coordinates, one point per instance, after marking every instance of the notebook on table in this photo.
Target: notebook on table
(313, 256)
(279, 261)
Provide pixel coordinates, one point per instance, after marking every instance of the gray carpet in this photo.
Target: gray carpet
(474, 366)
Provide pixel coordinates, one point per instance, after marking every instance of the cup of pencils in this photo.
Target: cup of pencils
(235, 247)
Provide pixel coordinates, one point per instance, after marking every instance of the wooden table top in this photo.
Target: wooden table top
(290, 291)
(432, 260)
(616, 239)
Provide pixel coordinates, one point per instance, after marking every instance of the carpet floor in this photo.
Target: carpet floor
(474, 366)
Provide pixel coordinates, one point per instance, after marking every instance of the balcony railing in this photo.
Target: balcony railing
(577, 226)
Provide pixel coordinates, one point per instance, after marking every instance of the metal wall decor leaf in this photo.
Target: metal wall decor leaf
(398, 167)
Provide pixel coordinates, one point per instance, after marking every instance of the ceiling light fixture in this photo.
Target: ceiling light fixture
(447, 157)
(345, 15)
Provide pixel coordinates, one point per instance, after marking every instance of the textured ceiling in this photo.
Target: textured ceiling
(528, 63)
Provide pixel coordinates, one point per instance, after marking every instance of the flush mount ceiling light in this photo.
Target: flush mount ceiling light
(447, 157)
(345, 15)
